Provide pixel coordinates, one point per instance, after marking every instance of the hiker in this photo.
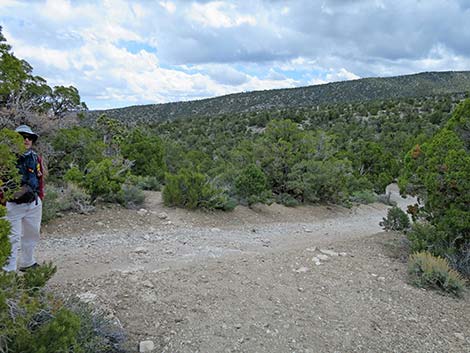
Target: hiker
(24, 210)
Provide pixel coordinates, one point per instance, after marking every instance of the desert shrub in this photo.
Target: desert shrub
(97, 333)
(146, 152)
(424, 236)
(131, 196)
(105, 179)
(251, 185)
(145, 182)
(429, 271)
(76, 146)
(69, 197)
(364, 197)
(320, 181)
(190, 189)
(396, 219)
(287, 200)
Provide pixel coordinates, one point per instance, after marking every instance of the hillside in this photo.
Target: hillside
(367, 89)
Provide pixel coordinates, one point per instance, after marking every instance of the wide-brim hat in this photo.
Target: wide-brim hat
(26, 130)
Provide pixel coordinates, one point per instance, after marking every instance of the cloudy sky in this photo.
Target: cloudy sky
(120, 53)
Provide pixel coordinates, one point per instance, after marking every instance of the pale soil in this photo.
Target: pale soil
(244, 281)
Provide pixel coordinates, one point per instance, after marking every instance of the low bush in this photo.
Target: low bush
(364, 197)
(396, 220)
(287, 200)
(190, 189)
(426, 237)
(67, 198)
(131, 196)
(145, 182)
(429, 271)
(251, 185)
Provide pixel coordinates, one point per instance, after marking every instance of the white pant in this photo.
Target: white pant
(25, 220)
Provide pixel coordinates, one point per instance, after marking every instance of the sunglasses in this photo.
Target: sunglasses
(28, 137)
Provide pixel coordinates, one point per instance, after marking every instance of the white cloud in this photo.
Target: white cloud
(219, 14)
(168, 5)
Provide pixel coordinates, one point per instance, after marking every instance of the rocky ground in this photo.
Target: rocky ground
(266, 279)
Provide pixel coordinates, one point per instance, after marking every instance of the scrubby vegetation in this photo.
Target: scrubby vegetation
(429, 271)
(31, 319)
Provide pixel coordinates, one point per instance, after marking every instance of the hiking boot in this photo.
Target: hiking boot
(24, 269)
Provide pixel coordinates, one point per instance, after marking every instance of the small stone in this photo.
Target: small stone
(381, 279)
(302, 269)
(142, 212)
(459, 335)
(308, 230)
(87, 297)
(343, 254)
(146, 346)
(215, 230)
(323, 257)
(311, 249)
(162, 215)
(147, 284)
(100, 224)
(140, 250)
(329, 252)
(316, 260)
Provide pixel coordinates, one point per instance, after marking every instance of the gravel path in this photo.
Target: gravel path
(266, 279)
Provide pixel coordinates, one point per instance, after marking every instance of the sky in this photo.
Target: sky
(120, 53)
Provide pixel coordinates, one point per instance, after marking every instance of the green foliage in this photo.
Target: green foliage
(320, 181)
(365, 93)
(438, 171)
(11, 146)
(76, 147)
(424, 236)
(190, 189)
(145, 182)
(429, 271)
(396, 220)
(251, 185)
(146, 152)
(104, 179)
(364, 197)
(65, 99)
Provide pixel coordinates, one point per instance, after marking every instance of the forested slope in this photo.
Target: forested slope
(367, 89)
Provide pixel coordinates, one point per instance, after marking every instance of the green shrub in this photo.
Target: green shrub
(146, 152)
(424, 236)
(105, 179)
(146, 182)
(76, 146)
(429, 271)
(131, 196)
(320, 181)
(287, 200)
(190, 189)
(364, 197)
(396, 220)
(251, 185)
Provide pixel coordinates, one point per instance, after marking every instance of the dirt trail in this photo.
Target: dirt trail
(253, 280)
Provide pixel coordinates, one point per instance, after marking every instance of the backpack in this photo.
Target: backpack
(29, 169)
